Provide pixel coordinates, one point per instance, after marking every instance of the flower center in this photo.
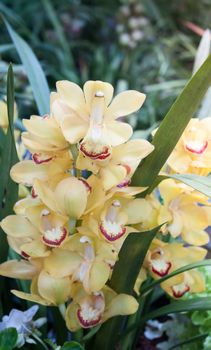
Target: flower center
(180, 289)
(53, 235)
(91, 309)
(94, 146)
(158, 264)
(196, 146)
(109, 226)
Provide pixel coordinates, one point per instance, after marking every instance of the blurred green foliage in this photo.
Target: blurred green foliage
(78, 40)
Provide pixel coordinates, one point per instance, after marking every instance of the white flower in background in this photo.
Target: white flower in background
(23, 322)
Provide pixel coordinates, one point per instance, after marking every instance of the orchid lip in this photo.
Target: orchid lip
(56, 242)
(94, 155)
(38, 160)
(179, 293)
(87, 323)
(112, 237)
(25, 255)
(162, 272)
(197, 150)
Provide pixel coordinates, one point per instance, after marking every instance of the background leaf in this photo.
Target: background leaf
(8, 188)
(199, 304)
(8, 339)
(173, 126)
(33, 70)
(72, 345)
(199, 183)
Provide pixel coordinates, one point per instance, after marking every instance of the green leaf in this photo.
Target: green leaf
(8, 339)
(199, 183)
(131, 258)
(33, 70)
(72, 345)
(8, 189)
(173, 125)
(174, 273)
(189, 341)
(202, 303)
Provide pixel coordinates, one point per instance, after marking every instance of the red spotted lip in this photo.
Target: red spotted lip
(179, 294)
(86, 323)
(109, 237)
(93, 155)
(163, 272)
(37, 160)
(57, 242)
(199, 151)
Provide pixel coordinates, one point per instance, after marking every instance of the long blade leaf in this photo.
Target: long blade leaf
(200, 304)
(199, 183)
(173, 125)
(33, 70)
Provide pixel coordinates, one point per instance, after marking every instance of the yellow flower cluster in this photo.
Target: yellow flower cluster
(70, 230)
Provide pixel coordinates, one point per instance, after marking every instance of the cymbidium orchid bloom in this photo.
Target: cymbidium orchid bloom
(35, 232)
(88, 116)
(89, 310)
(164, 258)
(181, 211)
(192, 153)
(44, 138)
(120, 167)
(110, 221)
(91, 265)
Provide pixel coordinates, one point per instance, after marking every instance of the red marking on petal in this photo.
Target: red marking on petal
(88, 187)
(180, 293)
(94, 155)
(127, 167)
(33, 193)
(87, 323)
(111, 237)
(200, 150)
(37, 158)
(25, 255)
(161, 272)
(56, 242)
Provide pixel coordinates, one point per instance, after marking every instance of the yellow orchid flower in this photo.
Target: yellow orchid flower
(164, 258)
(26, 171)
(180, 208)
(89, 116)
(192, 153)
(47, 290)
(35, 232)
(120, 167)
(89, 310)
(68, 198)
(43, 138)
(89, 261)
